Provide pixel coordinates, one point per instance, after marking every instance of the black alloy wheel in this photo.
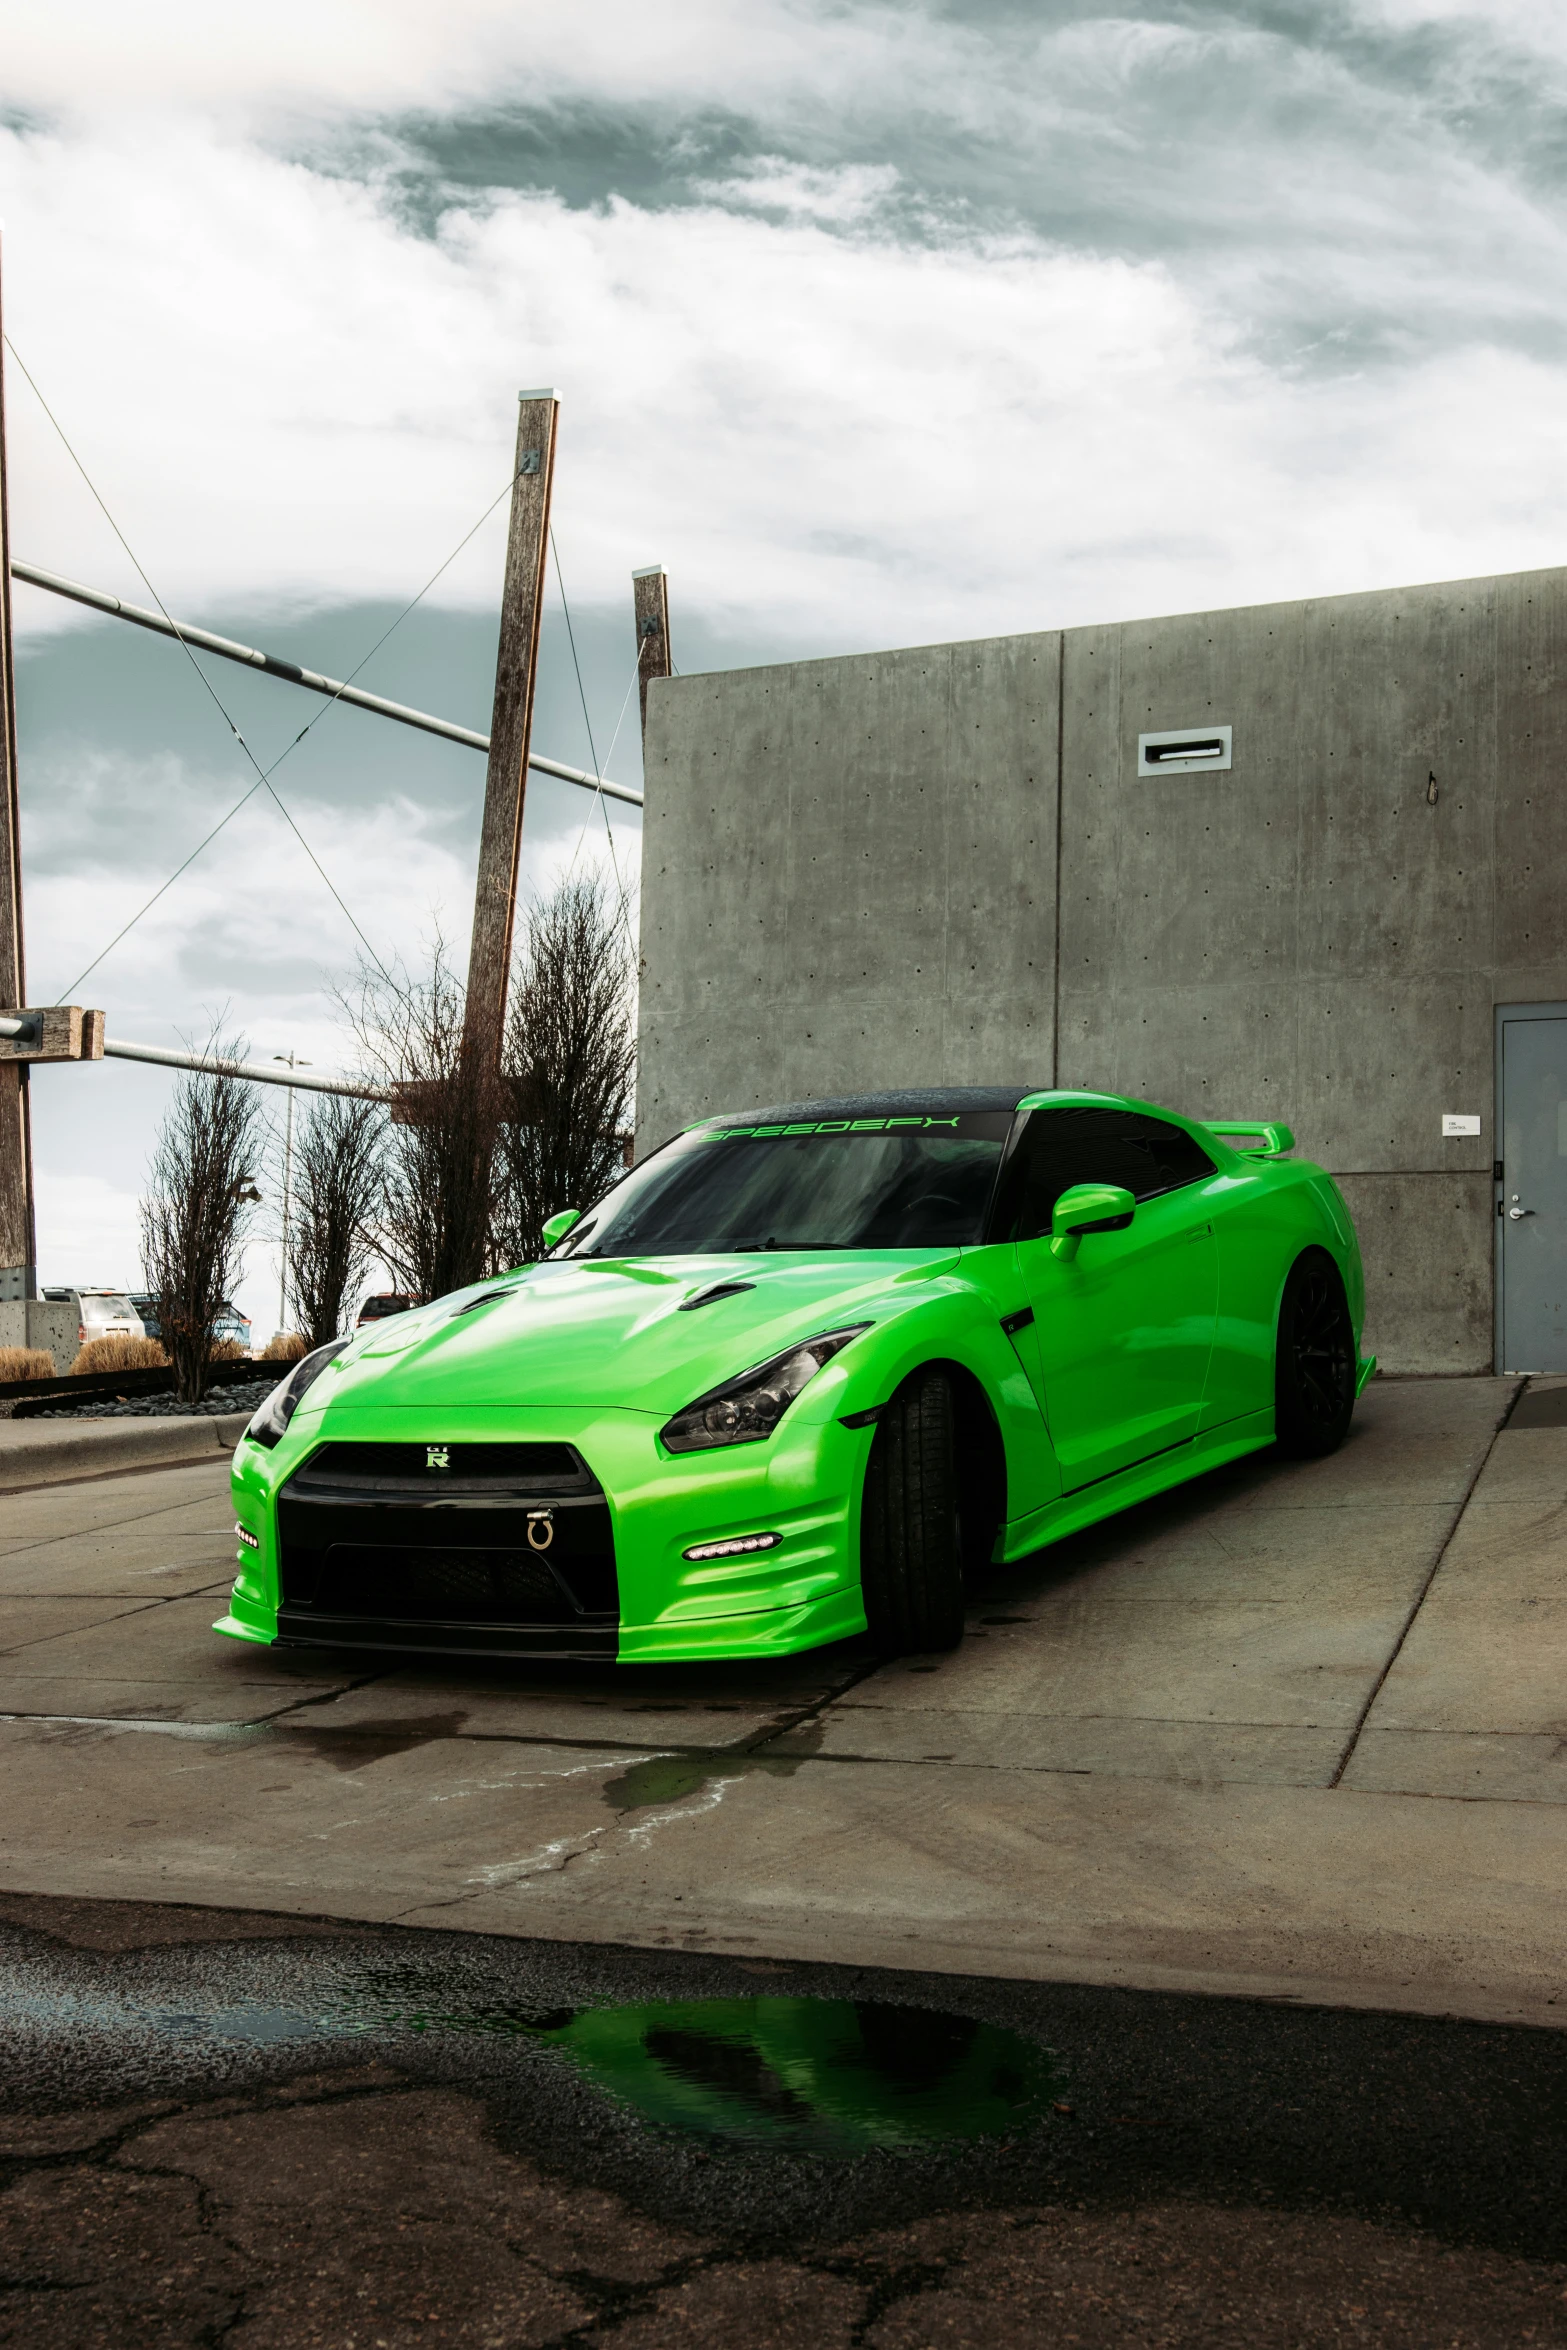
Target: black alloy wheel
(911, 1536)
(1314, 1374)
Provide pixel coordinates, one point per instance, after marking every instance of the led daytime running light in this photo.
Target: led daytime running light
(733, 1547)
(251, 1541)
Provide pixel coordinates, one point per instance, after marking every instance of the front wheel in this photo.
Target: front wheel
(911, 1539)
(1314, 1371)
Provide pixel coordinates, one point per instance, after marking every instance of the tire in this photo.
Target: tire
(911, 1537)
(1314, 1368)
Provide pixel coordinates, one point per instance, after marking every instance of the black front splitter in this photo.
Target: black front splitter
(586, 1643)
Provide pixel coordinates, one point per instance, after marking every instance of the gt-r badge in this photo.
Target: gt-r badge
(437, 1456)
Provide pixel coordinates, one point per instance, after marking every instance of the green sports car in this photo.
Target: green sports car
(803, 1373)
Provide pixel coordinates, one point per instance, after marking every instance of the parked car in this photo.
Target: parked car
(100, 1313)
(231, 1323)
(803, 1373)
(385, 1301)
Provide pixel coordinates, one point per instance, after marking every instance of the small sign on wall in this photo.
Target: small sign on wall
(1458, 1122)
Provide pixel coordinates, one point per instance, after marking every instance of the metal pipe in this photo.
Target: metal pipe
(253, 1072)
(313, 682)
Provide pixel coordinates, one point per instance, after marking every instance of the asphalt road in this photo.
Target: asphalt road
(197, 2149)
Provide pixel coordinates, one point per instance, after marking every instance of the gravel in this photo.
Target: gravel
(237, 1396)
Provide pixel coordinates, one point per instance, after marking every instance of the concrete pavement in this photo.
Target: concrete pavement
(1293, 1732)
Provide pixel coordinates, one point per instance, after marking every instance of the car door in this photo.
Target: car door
(1122, 1332)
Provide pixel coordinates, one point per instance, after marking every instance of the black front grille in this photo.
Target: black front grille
(503, 1548)
(461, 1586)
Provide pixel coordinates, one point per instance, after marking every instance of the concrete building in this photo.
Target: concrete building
(1340, 903)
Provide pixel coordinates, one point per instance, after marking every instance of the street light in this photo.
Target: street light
(293, 1062)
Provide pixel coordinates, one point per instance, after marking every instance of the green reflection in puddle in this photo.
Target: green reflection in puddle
(822, 2076)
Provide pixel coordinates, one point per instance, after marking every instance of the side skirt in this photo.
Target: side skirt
(1209, 1450)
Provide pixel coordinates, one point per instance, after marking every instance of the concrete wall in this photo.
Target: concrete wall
(851, 879)
(37, 1322)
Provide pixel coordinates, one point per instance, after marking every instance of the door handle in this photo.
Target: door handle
(1515, 1214)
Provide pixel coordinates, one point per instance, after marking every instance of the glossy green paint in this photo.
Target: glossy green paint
(1149, 1358)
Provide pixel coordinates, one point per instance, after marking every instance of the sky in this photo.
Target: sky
(876, 324)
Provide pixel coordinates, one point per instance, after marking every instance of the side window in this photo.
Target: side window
(1178, 1158)
(1066, 1146)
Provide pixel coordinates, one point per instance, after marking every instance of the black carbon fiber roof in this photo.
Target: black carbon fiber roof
(922, 1098)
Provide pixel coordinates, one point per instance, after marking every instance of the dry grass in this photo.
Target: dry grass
(25, 1362)
(225, 1350)
(120, 1354)
(289, 1346)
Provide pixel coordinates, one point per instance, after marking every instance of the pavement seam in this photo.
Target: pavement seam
(1419, 1599)
(111, 1525)
(805, 1713)
(327, 1697)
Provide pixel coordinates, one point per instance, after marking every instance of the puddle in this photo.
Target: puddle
(834, 2077)
(663, 1779)
(820, 2076)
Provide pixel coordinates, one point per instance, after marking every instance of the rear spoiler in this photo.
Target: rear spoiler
(1260, 1138)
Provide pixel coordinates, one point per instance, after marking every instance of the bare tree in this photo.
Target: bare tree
(569, 1068)
(438, 1167)
(337, 1188)
(193, 1219)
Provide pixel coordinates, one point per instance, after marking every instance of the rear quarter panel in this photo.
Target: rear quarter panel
(1262, 1222)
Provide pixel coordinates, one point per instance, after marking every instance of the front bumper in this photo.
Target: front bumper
(804, 1484)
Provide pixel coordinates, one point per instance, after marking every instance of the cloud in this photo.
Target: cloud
(848, 195)
(831, 439)
(251, 930)
(352, 58)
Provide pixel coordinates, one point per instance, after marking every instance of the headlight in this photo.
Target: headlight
(269, 1423)
(749, 1408)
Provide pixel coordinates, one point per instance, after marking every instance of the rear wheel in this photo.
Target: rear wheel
(1314, 1373)
(911, 1537)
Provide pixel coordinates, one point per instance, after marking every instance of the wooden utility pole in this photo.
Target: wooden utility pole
(650, 601)
(511, 726)
(18, 1250)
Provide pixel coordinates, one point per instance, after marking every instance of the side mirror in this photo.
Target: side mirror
(1088, 1207)
(558, 1225)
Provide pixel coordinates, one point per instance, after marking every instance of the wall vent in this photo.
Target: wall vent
(1183, 750)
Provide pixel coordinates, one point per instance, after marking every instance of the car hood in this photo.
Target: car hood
(618, 1332)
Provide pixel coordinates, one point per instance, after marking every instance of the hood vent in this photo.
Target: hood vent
(710, 1297)
(490, 1298)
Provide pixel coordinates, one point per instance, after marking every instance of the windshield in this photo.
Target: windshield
(915, 1182)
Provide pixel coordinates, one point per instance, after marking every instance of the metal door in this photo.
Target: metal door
(1532, 1188)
